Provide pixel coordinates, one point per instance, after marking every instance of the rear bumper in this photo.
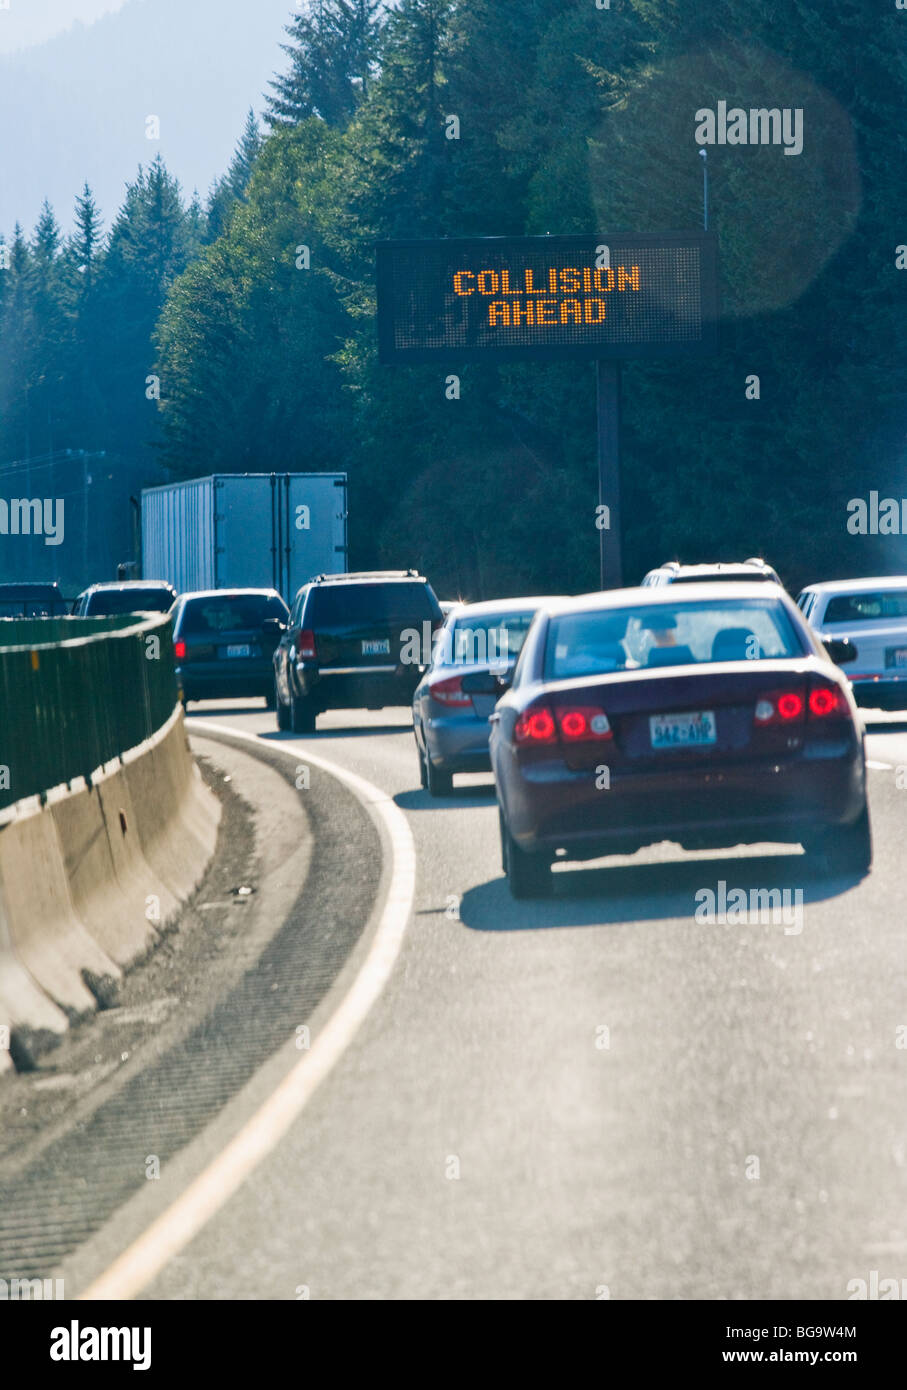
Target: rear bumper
(355, 687)
(458, 744)
(548, 807)
(218, 680)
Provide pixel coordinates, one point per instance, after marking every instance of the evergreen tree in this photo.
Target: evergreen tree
(332, 56)
(231, 188)
(85, 243)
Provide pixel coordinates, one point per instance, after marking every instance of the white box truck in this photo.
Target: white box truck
(245, 530)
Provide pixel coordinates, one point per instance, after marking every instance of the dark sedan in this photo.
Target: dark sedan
(450, 722)
(224, 640)
(712, 717)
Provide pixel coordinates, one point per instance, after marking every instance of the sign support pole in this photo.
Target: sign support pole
(610, 536)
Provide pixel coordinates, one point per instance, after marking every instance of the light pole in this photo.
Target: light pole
(704, 156)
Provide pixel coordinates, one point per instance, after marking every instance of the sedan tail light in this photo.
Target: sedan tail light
(573, 723)
(826, 702)
(450, 693)
(535, 726)
(583, 724)
(785, 707)
(793, 706)
(179, 650)
(305, 645)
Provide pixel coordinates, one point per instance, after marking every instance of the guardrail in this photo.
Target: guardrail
(77, 692)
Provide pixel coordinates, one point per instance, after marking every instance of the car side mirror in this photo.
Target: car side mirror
(273, 627)
(841, 650)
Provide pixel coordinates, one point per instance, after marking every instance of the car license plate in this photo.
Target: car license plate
(240, 649)
(379, 648)
(897, 657)
(694, 730)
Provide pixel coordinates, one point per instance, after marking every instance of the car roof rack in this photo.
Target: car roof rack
(367, 574)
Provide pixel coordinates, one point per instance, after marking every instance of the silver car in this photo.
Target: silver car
(871, 615)
(450, 720)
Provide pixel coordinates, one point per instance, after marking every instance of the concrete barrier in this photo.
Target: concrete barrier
(89, 879)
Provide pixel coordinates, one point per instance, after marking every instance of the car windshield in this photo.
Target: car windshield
(868, 607)
(490, 640)
(233, 612)
(683, 634)
(128, 601)
(355, 605)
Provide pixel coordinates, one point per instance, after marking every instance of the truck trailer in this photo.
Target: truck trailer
(245, 530)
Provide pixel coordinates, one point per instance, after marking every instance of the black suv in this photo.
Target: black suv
(354, 641)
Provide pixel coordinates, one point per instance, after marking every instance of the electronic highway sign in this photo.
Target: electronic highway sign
(543, 298)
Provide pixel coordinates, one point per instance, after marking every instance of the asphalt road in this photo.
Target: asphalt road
(593, 1096)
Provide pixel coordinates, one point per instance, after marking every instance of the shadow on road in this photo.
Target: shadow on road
(363, 731)
(460, 797)
(208, 709)
(591, 897)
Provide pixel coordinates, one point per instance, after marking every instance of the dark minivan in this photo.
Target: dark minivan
(354, 641)
(224, 640)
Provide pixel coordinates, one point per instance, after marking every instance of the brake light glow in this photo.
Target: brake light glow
(535, 725)
(583, 722)
(825, 700)
(780, 707)
(790, 706)
(179, 650)
(305, 645)
(449, 692)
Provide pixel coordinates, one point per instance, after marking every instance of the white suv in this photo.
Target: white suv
(736, 572)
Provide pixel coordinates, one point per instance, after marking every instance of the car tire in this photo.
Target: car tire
(438, 783)
(528, 875)
(846, 849)
(283, 711)
(423, 775)
(302, 715)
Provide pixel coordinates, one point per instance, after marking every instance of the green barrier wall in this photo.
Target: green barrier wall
(76, 692)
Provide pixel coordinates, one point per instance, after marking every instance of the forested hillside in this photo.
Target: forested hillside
(571, 119)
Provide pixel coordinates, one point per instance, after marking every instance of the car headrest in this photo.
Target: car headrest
(734, 644)
(670, 656)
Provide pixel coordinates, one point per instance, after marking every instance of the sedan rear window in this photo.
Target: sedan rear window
(867, 608)
(231, 613)
(685, 634)
(128, 601)
(488, 640)
(358, 605)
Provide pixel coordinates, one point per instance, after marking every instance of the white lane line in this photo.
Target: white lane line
(879, 767)
(172, 1231)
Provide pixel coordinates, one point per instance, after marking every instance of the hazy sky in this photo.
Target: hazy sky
(31, 21)
(75, 102)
